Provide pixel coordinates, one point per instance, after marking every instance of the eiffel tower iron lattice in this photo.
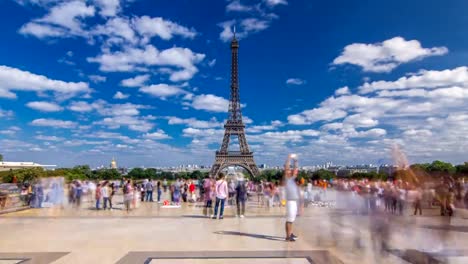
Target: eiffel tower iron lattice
(234, 126)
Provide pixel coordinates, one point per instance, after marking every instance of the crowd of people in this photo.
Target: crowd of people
(397, 196)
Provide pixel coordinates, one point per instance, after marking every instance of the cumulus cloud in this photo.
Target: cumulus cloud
(12, 79)
(53, 123)
(165, 29)
(45, 106)
(210, 102)
(63, 20)
(244, 27)
(236, 6)
(342, 91)
(136, 81)
(132, 59)
(120, 95)
(162, 90)
(108, 8)
(387, 55)
(159, 134)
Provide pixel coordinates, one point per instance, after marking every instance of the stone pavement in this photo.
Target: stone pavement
(151, 234)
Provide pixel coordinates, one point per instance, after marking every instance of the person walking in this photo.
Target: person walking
(417, 201)
(221, 190)
(207, 196)
(292, 197)
(241, 196)
(149, 191)
(98, 196)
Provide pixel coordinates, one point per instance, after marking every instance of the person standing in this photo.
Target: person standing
(158, 189)
(149, 191)
(128, 194)
(98, 196)
(241, 196)
(292, 197)
(105, 194)
(112, 193)
(221, 190)
(193, 197)
(165, 185)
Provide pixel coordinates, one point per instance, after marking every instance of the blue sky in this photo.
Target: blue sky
(147, 81)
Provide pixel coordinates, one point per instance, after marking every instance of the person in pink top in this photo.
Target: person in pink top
(221, 190)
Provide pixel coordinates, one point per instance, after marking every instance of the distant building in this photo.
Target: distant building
(387, 169)
(263, 166)
(113, 164)
(11, 165)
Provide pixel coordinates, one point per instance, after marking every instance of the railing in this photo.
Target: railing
(233, 153)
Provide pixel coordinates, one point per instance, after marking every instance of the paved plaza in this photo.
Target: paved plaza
(151, 234)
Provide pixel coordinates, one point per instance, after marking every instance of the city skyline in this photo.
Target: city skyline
(148, 82)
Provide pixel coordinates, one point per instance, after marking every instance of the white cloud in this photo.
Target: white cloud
(273, 3)
(45, 106)
(118, 29)
(108, 8)
(159, 134)
(342, 91)
(244, 28)
(210, 102)
(12, 79)
(387, 55)
(136, 81)
(134, 123)
(132, 59)
(212, 62)
(165, 29)
(423, 79)
(81, 107)
(161, 90)
(236, 6)
(195, 123)
(54, 123)
(63, 20)
(120, 95)
(6, 113)
(49, 138)
(97, 78)
(295, 81)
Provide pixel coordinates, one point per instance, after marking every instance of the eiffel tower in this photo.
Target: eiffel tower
(234, 127)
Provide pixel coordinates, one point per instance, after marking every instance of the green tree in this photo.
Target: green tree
(1, 157)
(323, 175)
(441, 167)
(462, 169)
(137, 173)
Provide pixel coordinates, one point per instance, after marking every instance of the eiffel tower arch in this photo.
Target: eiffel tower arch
(234, 127)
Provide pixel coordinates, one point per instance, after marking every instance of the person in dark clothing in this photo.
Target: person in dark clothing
(241, 196)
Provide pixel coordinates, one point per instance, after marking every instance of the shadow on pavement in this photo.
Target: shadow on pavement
(235, 233)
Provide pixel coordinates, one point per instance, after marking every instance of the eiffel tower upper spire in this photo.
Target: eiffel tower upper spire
(235, 115)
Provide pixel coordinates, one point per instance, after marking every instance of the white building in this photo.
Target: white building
(12, 165)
